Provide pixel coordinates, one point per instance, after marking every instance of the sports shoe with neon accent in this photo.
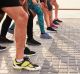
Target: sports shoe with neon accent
(26, 64)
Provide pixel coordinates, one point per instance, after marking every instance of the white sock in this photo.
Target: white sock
(19, 60)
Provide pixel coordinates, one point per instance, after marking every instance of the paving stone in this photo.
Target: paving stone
(59, 55)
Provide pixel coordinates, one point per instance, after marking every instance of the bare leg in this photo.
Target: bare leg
(20, 17)
(46, 15)
(53, 2)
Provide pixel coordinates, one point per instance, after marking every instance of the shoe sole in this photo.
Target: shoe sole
(52, 30)
(33, 44)
(2, 49)
(29, 55)
(46, 38)
(27, 68)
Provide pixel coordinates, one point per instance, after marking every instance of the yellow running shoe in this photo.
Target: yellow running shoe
(25, 64)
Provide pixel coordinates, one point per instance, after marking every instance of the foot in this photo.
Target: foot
(27, 52)
(2, 48)
(50, 29)
(5, 40)
(26, 64)
(45, 36)
(33, 42)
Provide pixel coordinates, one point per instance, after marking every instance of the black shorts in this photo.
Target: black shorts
(42, 0)
(9, 3)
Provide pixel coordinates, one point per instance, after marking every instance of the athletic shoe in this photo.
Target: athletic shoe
(55, 22)
(11, 31)
(58, 20)
(25, 64)
(2, 48)
(33, 42)
(45, 36)
(5, 40)
(27, 52)
(50, 29)
(54, 26)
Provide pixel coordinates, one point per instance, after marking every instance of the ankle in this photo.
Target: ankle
(19, 60)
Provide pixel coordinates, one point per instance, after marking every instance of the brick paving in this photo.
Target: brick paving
(59, 55)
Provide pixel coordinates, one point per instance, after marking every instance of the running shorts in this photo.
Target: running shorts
(9, 3)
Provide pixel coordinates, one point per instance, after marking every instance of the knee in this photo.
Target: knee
(21, 20)
(24, 16)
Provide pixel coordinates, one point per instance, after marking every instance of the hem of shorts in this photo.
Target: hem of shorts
(10, 6)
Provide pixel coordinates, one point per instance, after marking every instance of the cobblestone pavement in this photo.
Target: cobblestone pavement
(59, 55)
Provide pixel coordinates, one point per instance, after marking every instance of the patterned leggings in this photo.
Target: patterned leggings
(36, 8)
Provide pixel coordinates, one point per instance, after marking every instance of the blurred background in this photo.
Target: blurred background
(69, 8)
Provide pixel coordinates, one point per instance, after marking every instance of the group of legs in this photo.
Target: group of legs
(5, 28)
(23, 24)
(37, 10)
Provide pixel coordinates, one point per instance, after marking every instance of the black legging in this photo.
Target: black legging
(5, 26)
(7, 23)
(30, 26)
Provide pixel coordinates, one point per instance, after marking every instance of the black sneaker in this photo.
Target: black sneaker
(5, 40)
(2, 48)
(50, 29)
(58, 20)
(55, 22)
(27, 52)
(33, 42)
(26, 64)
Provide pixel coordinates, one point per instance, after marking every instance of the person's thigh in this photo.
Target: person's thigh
(14, 12)
(53, 2)
(36, 8)
(45, 9)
